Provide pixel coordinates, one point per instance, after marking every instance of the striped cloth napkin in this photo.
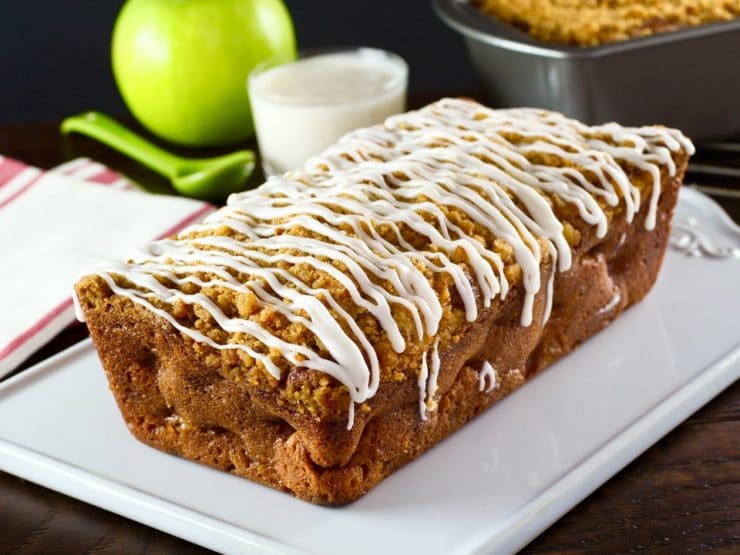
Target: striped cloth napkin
(56, 224)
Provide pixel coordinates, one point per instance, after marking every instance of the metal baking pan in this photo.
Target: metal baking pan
(689, 79)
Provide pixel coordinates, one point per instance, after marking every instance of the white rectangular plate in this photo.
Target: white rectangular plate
(493, 486)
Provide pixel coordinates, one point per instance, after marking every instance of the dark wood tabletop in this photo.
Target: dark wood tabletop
(681, 496)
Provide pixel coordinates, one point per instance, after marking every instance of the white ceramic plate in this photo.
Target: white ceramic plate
(491, 487)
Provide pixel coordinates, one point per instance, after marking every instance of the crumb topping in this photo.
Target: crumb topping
(594, 22)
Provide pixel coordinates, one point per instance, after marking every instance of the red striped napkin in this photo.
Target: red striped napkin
(56, 224)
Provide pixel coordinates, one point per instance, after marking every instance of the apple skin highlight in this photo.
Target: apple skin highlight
(181, 66)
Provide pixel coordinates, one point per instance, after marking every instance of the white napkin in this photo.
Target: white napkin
(55, 225)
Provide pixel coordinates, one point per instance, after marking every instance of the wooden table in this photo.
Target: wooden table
(682, 495)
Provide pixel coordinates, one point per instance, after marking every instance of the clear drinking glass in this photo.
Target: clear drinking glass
(302, 106)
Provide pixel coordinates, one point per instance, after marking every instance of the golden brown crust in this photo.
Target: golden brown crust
(594, 22)
(175, 395)
(204, 397)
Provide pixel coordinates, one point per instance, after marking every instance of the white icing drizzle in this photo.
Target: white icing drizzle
(79, 314)
(406, 175)
(487, 374)
(611, 305)
(427, 380)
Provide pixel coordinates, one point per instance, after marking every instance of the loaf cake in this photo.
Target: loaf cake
(594, 22)
(324, 329)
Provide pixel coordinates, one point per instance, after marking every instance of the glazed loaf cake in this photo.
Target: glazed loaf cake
(326, 328)
(594, 22)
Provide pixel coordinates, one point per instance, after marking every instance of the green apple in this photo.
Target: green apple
(182, 65)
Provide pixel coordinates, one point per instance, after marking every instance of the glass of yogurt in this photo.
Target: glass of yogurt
(303, 106)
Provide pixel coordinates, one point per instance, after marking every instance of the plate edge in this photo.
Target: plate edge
(132, 503)
(604, 463)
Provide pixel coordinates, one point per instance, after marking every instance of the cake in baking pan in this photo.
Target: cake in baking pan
(594, 22)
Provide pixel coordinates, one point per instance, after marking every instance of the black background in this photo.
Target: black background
(55, 59)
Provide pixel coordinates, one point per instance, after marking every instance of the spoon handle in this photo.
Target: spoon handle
(111, 133)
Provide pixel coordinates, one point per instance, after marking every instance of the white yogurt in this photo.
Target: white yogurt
(302, 107)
